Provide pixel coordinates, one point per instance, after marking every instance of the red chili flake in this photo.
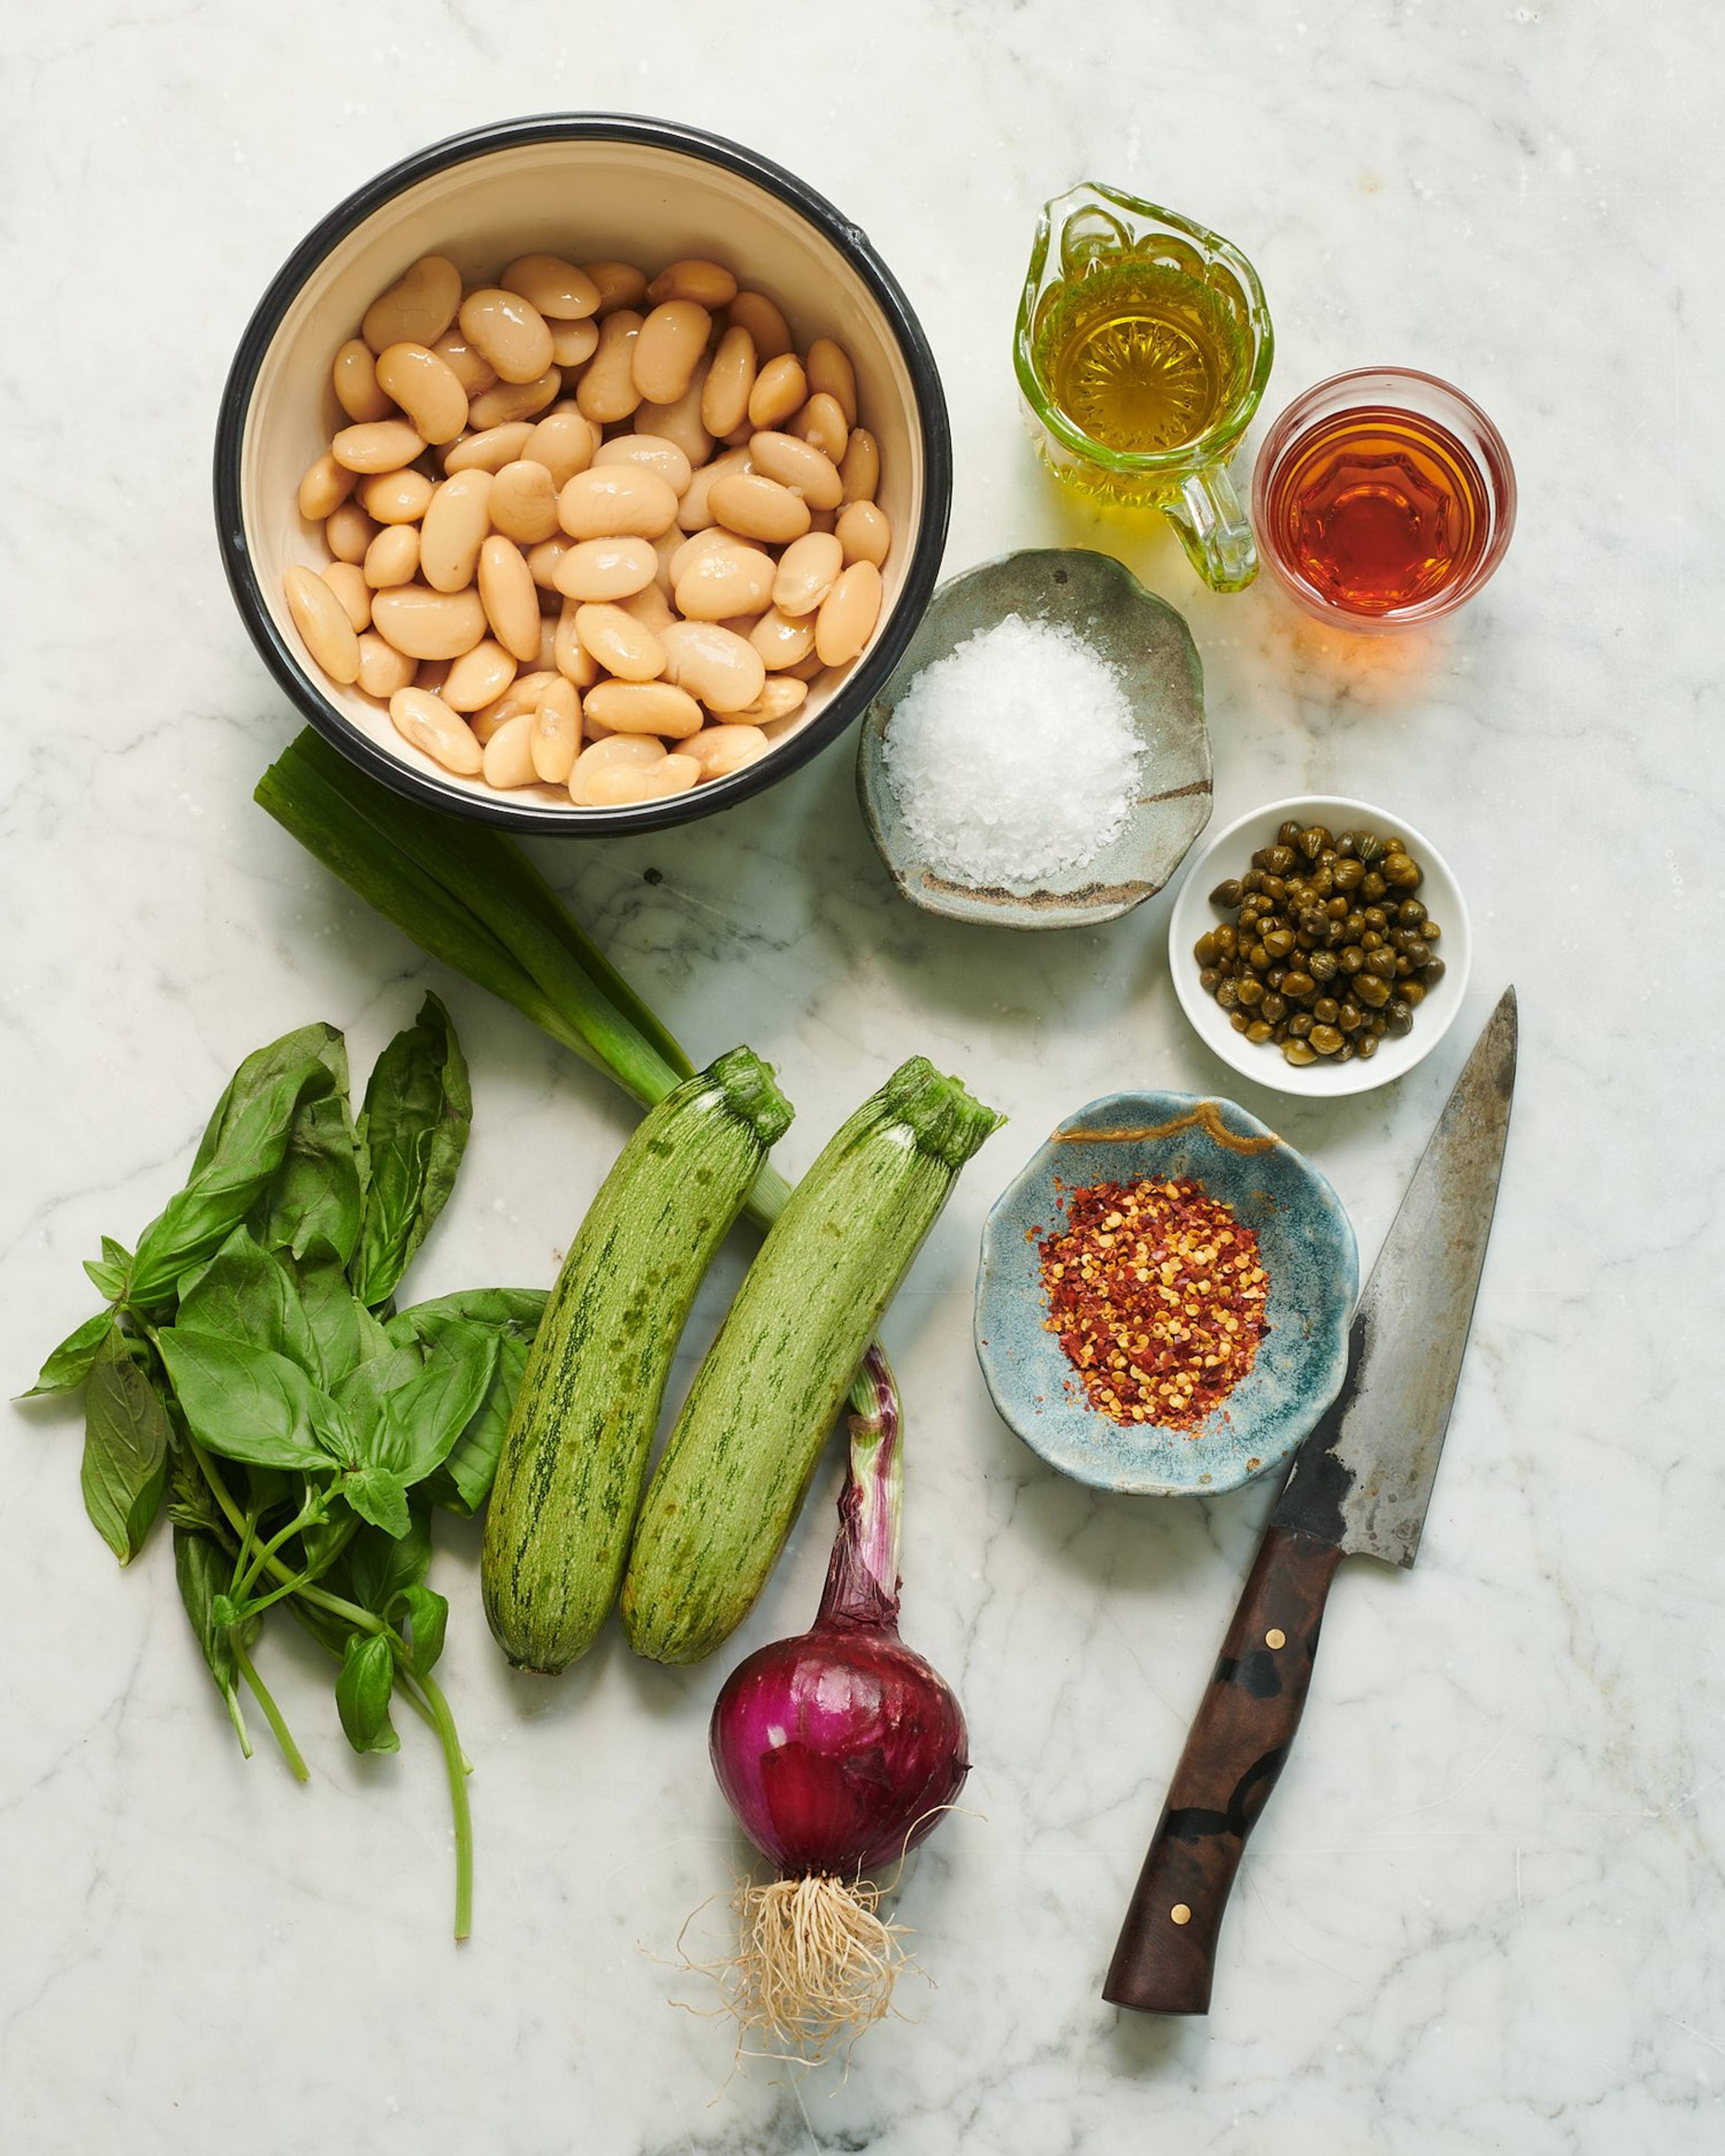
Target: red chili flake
(1158, 1295)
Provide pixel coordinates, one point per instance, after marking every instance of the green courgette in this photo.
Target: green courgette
(575, 1454)
(738, 1462)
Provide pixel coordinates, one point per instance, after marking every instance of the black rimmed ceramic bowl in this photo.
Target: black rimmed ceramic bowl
(593, 186)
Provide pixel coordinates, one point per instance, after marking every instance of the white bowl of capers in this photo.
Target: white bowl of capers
(1320, 946)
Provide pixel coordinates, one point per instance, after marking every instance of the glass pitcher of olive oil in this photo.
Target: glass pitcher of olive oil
(1142, 347)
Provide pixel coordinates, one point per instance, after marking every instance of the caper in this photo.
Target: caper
(1278, 860)
(1375, 917)
(1239, 1020)
(1400, 1015)
(1434, 970)
(1315, 922)
(1227, 995)
(1325, 1039)
(1373, 886)
(1297, 986)
(1301, 1024)
(1410, 913)
(1297, 1051)
(1402, 874)
(1366, 1046)
(1345, 1052)
(1368, 846)
(1350, 1018)
(1404, 965)
(1205, 949)
(1253, 879)
(1412, 992)
(1325, 1010)
(1251, 991)
(1273, 887)
(1257, 956)
(1337, 910)
(1409, 942)
(1346, 844)
(1382, 963)
(1368, 988)
(1323, 883)
(1227, 940)
(1312, 841)
(1208, 980)
(1288, 834)
(1378, 1024)
(1278, 943)
(1260, 1030)
(1346, 875)
(1353, 958)
(1277, 976)
(1430, 930)
(1275, 1005)
(1322, 966)
(1227, 893)
(1353, 926)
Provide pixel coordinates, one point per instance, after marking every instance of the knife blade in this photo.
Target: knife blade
(1360, 1484)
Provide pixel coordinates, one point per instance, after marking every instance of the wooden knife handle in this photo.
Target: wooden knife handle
(1233, 1752)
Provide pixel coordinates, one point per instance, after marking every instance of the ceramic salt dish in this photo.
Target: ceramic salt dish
(1307, 1247)
(1141, 635)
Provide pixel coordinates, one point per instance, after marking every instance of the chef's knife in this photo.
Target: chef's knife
(1359, 1485)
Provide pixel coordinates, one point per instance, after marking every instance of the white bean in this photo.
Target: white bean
(808, 569)
(619, 643)
(507, 758)
(322, 622)
(456, 522)
(428, 723)
(508, 595)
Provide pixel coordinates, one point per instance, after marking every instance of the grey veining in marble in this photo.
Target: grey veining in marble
(1485, 1909)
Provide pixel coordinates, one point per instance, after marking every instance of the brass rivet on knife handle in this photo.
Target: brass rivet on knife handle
(1276, 1637)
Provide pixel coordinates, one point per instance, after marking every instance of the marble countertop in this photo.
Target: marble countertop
(1484, 1910)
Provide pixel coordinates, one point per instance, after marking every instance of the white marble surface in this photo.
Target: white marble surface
(1484, 1909)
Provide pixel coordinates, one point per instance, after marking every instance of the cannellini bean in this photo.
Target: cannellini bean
(322, 622)
(643, 707)
(378, 446)
(478, 677)
(632, 751)
(454, 530)
(395, 497)
(723, 670)
(767, 328)
(710, 284)
(699, 543)
(783, 640)
(507, 593)
(418, 307)
(543, 559)
(619, 643)
(695, 511)
(724, 393)
(325, 486)
(570, 655)
(508, 330)
(650, 607)
(781, 390)
(426, 389)
(618, 786)
(524, 502)
(808, 569)
(822, 422)
(607, 393)
(556, 289)
(863, 532)
(564, 441)
(680, 421)
(573, 344)
(354, 377)
(515, 400)
(651, 453)
(671, 341)
(554, 740)
(606, 568)
(799, 465)
(848, 615)
(807, 669)
(507, 758)
(383, 669)
(426, 623)
(392, 557)
(619, 284)
(471, 368)
(724, 580)
(522, 695)
(428, 723)
(757, 507)
(861, 469)
(721, 750)
(779, 697)
(831, 374)
(345, 580)
(349, 531)
(490, 449)
(615, 500)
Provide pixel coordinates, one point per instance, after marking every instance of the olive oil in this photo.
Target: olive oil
(1139, 357)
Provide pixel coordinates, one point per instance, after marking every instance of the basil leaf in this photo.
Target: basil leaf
(464, 1482)
(205, 1571)
(428, 1615)
(241, 1150)
(516, 1310)
(314, 1195)
(105, 1279)
(248, 1293)
(419, 1421)
(379, 1567)
(247, 1403)
(346, 1332)
(125, 1442)
(72, 1361)
(362, 1693)
(362, 1392)
(379, 1495)
(414, 1124)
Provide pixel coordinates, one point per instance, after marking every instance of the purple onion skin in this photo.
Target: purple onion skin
(836, 1750)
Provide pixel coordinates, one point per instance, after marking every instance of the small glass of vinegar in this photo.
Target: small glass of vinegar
(1142, 347)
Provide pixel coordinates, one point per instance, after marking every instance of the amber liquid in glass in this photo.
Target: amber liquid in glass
(1139, 357)
(1377, 509)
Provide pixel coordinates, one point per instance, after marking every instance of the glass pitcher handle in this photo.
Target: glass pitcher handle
(1211, 520)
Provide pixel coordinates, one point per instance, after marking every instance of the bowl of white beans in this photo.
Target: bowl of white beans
(583, 474)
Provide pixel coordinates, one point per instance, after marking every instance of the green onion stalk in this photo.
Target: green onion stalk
(472, 898)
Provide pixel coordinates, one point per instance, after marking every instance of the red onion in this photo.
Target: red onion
(837, 1751)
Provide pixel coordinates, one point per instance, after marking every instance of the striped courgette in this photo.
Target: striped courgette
(569, 1477)
(738, 1462)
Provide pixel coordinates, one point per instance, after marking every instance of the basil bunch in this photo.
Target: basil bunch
(252, 1372)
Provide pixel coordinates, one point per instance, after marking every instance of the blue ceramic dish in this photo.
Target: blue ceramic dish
(1309, 1253)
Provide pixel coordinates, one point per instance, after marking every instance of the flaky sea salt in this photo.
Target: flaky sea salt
(1015, 757)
